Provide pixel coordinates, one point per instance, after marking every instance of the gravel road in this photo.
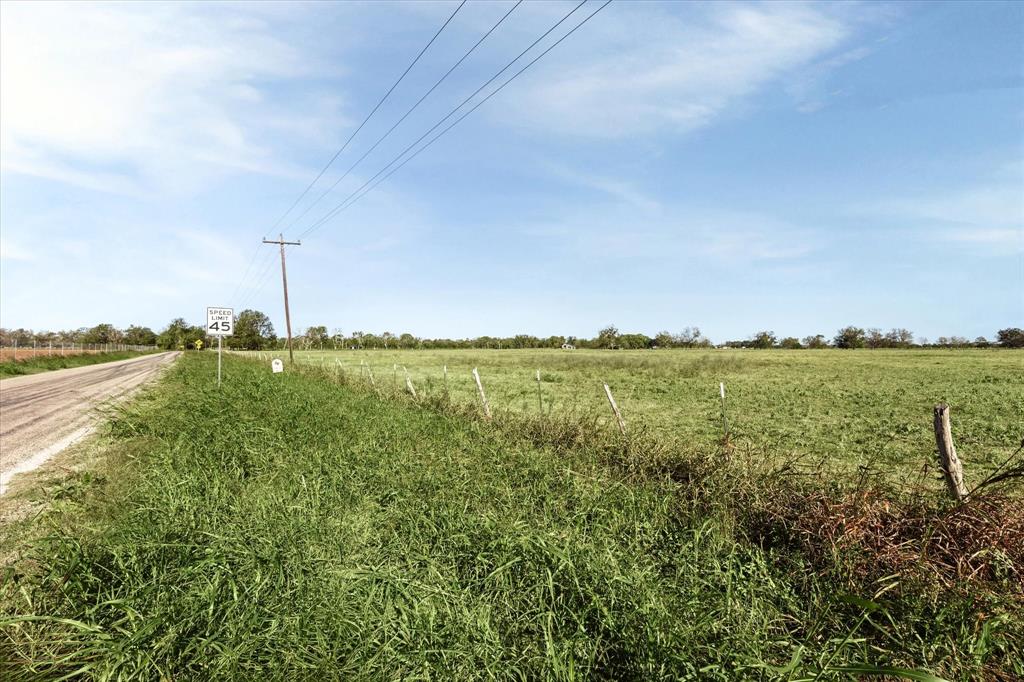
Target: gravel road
(41, 414)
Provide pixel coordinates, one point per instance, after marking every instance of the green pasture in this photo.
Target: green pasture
(863, 411)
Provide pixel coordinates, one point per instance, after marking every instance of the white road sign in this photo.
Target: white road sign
(220, 321)
(277, 366)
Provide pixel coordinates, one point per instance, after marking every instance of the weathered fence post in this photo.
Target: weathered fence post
(615, 409)
(394, 376)
(480, 390)
(408, 382)
(949, 463)
(540, 400)
(725, 422)
(369, 373)
(446, 380)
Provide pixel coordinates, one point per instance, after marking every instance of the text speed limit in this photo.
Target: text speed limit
(220, 321)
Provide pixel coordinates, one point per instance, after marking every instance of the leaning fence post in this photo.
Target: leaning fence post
(949, 463)
(615, 409)
(369, 373)
(408, 382)
(480, 390)
(446, 380)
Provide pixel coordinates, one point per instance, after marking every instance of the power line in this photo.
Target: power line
(348, 201)
(405, 115)
(368, 116)
(245, 274)
(351, 137)
(260, 281)
(478, 104)
(490, 80)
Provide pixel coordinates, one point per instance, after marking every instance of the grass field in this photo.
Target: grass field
(42, 363)
(293, 527)
(850, 409)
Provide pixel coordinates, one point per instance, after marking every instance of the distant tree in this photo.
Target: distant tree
(634, 341)
(874, 338)
(816, 341)
(608, 337)
(180, 335)
(764, 339)
(139, 336)
(407, 340)
(253, 331)
(849, 337)
(388, 338)
(790, 342)
(554, 341)
(688, 338)
(315, 337)
(102, 333)
(664, 340)
(1011, 337)
(899, 338)
(982, 342)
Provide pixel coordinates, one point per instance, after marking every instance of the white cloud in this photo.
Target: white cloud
(9, 251)
(684, 234)
(985, 215)
(656, 71)
(143, 97)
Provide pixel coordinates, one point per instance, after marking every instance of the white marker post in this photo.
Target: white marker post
(220, 322)
(725, 422)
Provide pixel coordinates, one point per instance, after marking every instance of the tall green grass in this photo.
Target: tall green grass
(287, 527)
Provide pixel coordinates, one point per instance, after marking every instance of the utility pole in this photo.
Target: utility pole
(284, 280)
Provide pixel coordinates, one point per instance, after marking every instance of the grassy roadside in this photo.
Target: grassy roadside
(288, 527)
(48, 364)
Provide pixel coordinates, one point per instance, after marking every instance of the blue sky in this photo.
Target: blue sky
(793, 167)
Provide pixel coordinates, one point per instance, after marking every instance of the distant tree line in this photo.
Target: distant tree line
(254, 331)
(179, 335)
(318, 337)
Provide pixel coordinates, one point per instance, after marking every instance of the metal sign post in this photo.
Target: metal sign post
(220, 322)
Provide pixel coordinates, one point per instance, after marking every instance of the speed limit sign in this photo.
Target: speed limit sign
(220, 321)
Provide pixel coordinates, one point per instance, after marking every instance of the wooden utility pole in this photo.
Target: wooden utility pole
(284, 280)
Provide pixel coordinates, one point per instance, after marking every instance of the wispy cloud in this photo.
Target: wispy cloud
(170, 96)
(9, 251)
(666, 71)
(986, 215)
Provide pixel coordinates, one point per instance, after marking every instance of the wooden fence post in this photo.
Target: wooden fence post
(408, 382)
(540, 399)
(480, 390)
(369, 373)
(725, 422)
(615, 409)
(446, 380)
(949, 463)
